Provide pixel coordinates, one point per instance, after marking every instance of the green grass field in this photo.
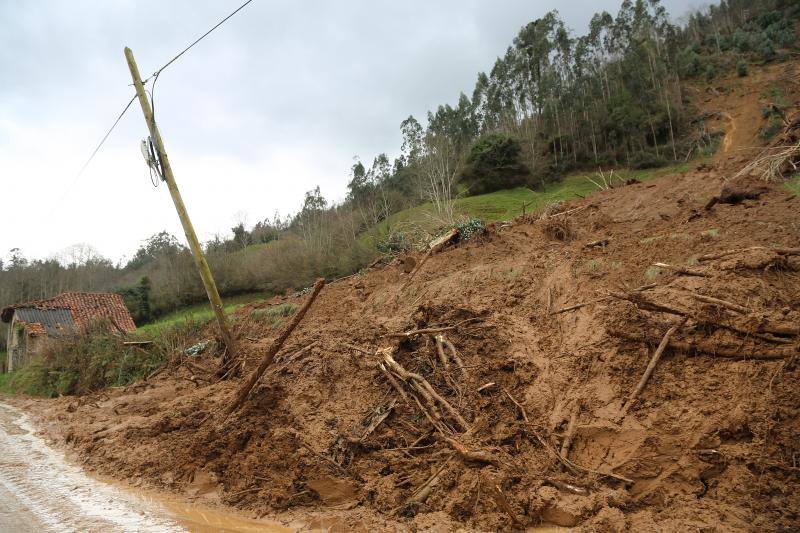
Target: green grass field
(506, 205)
(198, 313)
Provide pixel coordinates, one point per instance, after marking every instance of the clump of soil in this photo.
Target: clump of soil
(514, 356)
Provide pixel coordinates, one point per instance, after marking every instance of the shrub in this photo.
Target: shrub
(643, 160)
(275, 314)
(493, 163)
(711, 72)
(741, 68)
(471, 227)
(395, 242)
(82, 363)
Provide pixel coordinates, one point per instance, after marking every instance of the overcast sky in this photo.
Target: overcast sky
(275, 102)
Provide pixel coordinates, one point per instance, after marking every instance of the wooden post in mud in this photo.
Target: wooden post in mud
(191, 236)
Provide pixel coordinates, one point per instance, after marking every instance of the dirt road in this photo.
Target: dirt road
(40, 491)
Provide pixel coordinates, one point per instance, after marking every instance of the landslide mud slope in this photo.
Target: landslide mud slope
(712, 443)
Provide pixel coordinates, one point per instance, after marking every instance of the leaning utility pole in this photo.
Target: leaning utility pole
(191, 236)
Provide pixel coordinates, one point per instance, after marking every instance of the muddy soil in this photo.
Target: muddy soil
(712, 442)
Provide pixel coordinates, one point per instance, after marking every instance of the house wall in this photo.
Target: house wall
(22, 346)
(15, 345)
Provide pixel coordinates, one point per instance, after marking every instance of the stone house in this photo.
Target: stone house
(32, 325)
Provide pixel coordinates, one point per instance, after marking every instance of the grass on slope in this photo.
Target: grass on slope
(793, 184)
(197, 313)
(507, 204)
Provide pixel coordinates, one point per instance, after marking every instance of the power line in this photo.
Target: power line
(154, 75)
(220, 23)
(97, 149)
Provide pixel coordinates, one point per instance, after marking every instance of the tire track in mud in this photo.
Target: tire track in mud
(40, 491)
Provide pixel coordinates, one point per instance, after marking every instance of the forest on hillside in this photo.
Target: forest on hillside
(552, 103)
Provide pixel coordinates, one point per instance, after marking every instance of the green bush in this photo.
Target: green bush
(643, 160)
(494, 163)
(274, 314)
(82, 363)
(741, 68)
(395, 242)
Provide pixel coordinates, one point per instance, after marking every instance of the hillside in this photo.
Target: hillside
(710, 443)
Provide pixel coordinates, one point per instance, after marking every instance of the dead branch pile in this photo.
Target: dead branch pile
(558, 228)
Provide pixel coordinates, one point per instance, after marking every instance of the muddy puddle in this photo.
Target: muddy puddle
(41, 491)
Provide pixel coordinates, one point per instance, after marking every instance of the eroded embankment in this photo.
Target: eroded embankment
(711, 441)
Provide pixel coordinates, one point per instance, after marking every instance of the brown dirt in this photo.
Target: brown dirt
(712, 444)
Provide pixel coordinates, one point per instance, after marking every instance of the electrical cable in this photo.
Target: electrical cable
(97, 149)
(217, 25)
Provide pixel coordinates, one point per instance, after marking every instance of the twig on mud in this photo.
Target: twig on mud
(440, 352)
(356, 348)
(421, 494)
(454, 354)
(519, 405)
(601, 299)
(572, 426)
(441, 329)
(390, 378)
(318, 455)
(574, 466)
(502, 502)
(296, 355)
(477, 456)
(650, 367)
(378, 416)
(720, 255)
(722, 303)
(696, 346)
(658, 307)
(276, 345)
(682, 270)
(486, 386)
(567, 487)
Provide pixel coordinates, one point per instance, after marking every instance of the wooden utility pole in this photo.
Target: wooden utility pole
(191, 236)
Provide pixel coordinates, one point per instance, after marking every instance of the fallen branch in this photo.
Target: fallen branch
(571, 427)
(598, 300)
(422, 331)
(519, 405)
(682, 270)
(419, 496)
(720, 255)
(423, 387)
(575, 467)
(709, 348)
(478, 456)
(435, 246)
(658, 307)
(454, 354)
(650, 367)
(378, 416)
(276, 345)
(722, 303)
(393, 382)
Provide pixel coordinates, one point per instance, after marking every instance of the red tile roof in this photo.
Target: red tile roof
(85, 308)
